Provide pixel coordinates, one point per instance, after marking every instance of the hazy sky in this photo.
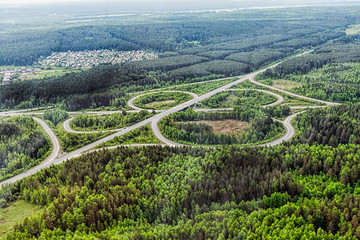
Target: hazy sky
(60, 1)
(117, 1)
(159, 5)
(72, 1)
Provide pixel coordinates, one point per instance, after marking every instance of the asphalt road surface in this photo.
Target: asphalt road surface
(90, 146)
(55, 159)
(66, 126)
(158, 135)
(131, 101)
(289, 132)
(252, 79)
(279, 100)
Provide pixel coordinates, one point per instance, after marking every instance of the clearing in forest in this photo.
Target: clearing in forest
(228, 127)
(286, 84)
(15, 213)
(353, 29)
(154, 104)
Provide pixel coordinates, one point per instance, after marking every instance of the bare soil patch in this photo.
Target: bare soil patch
(152, 104)
(286, 84)
(228, 127)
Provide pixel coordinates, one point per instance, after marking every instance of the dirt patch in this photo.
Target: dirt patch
(286, 84)
(353, 29)
(153, 104)
(2, 221)
(228, 127)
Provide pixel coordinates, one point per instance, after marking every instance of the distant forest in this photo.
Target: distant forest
(193, 48)
(213, 37)
(305, 188)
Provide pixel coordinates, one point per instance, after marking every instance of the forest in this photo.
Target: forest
(185, 127)
(221, 186)
(332, 126)
(108, 122)
(195, 48)
(22, 145)
(186, 34)
(234, 98)
(329, 73)
(185, 193)
(305, 188)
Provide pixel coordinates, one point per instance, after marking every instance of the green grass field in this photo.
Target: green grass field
(14, 214)
(53, 72)
(44, 73)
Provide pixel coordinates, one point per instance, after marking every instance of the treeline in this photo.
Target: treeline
(330, 73)
(337, 82)
(106, 198)
(114, 97)
(22, 145)
(56, 115)
(176, 127)
(256, 58)
(278, 111)
(107, 122)
(330, 126)
(343, 50)
(192, 35)
(239, 50)
(186, 193)
(167, 63)
(236, 98)
(86, 86)
(161, 100)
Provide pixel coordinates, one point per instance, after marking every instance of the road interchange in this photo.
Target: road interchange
(56, 158)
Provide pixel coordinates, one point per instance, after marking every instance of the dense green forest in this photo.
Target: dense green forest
(305, 188)
(184, 193)
(292, 190)
(197, 47)
(329, 73)
(330, 126)
(55, 115)
(108, 122)
(235, 98)
(188, 34)
(22, 145)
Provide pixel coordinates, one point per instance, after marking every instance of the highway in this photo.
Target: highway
(29, 112)
(185, 84)
(279, 100)
(289, 132)
(78, 152)
(132, 105)
(252, 79)
(158, 135)
(126, 145)
(54, 158)
(66, 126)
